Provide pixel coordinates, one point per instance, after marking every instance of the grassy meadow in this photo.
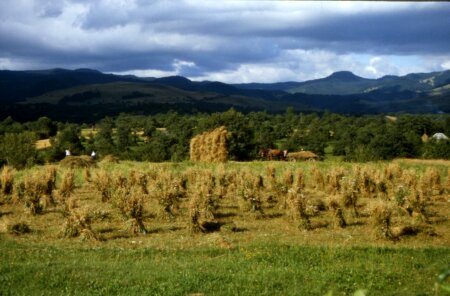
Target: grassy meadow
(259, 228)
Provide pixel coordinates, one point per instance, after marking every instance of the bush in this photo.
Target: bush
(18, 150)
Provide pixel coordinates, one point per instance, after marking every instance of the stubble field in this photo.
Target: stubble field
(259, 228)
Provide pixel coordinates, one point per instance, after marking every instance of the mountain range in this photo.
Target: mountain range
(87, 95)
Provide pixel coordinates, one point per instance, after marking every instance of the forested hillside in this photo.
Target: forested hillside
(87, 95)
(165, 137)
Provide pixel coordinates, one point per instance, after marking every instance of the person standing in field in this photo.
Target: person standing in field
(67, 152)
(93, 155)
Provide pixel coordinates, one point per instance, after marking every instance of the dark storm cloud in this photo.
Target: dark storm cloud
(423, 31)
(200, 37)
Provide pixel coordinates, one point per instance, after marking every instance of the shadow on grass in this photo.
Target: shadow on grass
(6, 213)
(225, 215)
(164, 229)
(356, 223)
(319, 224)
(273, 215)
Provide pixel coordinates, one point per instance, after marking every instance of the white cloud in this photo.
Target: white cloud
(446, 65)
(233, 41)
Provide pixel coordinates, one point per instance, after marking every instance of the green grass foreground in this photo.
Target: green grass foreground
(272, 269)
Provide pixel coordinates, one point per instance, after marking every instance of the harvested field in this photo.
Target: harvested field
(247, 218)
(42, 144)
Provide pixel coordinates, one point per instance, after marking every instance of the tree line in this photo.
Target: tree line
(165, 137)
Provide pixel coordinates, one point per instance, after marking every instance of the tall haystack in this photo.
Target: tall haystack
(210, 146)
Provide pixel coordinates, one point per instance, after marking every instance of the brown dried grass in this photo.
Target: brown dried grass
(302, 156)
(103, 184)
(430, 183)
(334, 203)
(43, 144)
(35, 190)
(110, 159)
(168, 191)
(130, 202)
(334, 179)
(74, 162)
(381, 215)
(317, 178)
(67, 185)
(7, 180)
(210, 146)
(78, 224)
(296, 207)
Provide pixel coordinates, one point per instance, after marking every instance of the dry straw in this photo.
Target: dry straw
(299, 179)
(349, 194)
(103, 185)
(393, 172)
(381, 214)
(448, 181)
(78, 224)
(67, 185)
(201, 210)
(36, 191)
(77, 162)
(334, 203)
(222, 181)
(87, 175)
(130, 202)
(430, 184)
(317, 178)
(139, 179)
(366, 181)
(7, 181)
(296, 207)
(168, 190)
(249, 191)
(110, 159)
(210, 146)
(334, 179)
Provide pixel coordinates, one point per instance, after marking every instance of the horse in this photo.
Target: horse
(263, 153)
(273, 154)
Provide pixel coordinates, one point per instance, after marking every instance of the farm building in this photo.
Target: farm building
(439, 137)
(210, 146)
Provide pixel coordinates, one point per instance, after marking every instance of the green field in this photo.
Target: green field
(254, 253)
(253, 269)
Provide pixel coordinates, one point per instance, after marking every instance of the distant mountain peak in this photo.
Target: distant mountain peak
(176, 78)
(344, 75)
(87, 70)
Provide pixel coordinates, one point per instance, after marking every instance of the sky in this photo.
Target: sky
(228, 41)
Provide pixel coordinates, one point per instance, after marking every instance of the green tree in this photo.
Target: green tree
(436, 149)
(44, 128)
(123, 134)
(103, 140)
(158, 149)
(68, 138)
(18, 149)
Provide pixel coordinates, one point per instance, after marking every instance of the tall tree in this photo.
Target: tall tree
(103, 140)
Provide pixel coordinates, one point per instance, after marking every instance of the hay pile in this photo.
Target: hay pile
(302, 155)
(210, 146)
(77, 162)
(110, 159)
